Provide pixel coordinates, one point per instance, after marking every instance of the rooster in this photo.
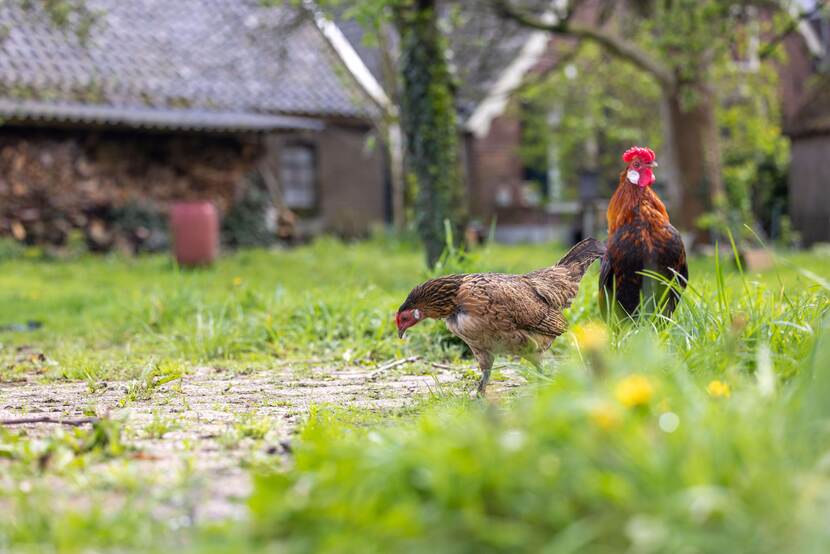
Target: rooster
(640, 239)
(496, 313)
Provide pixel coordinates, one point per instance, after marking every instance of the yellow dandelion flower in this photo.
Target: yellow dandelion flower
(634, 390)
(591, 336)
(718, 388)
(237, 281)
(604, 416)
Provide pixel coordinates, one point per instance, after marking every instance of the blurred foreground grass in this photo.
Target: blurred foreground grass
(708, 434)
(639, 456)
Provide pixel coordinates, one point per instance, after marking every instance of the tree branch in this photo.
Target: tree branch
(395, 363)
(58, 421)
(791, 26)
(611, 42)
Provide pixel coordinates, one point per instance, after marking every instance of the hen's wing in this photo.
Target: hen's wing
(511, 303)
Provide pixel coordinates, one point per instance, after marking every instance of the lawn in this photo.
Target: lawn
(255, 405)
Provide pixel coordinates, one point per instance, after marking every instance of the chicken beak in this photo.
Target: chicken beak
(654, 164)
(401, 333)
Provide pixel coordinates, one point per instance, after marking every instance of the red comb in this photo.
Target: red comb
(645, 154)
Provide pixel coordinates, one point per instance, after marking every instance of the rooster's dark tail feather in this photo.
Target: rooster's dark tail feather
(583, 254)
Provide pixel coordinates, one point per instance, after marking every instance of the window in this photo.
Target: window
(298, 176)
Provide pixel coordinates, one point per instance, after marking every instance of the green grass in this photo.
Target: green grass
(582, 458)
(112, 317)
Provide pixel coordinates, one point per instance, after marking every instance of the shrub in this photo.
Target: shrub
(247, 222)
(10, 249)
(143, 227)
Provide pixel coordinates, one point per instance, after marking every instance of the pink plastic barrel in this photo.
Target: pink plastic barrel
(195, 230)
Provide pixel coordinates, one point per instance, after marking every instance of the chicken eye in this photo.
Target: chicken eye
(637, 165)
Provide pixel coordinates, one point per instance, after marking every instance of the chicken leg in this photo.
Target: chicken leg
(485, 363)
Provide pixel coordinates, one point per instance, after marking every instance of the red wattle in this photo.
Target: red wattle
(646, 177)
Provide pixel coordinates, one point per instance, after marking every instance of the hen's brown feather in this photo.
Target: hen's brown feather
(499, 313)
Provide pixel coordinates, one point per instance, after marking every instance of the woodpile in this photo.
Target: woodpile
(54, 182)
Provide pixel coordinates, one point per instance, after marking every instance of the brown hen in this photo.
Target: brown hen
(496, 313)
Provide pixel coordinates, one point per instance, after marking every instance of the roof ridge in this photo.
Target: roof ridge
(499, 95)
(151, 118)
(353, 62)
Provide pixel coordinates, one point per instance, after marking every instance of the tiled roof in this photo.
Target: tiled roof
(209, 64)
(482, 46)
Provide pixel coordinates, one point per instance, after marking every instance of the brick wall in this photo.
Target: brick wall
(352, 178)
(494, 168)
(56, 180)
(351, 185)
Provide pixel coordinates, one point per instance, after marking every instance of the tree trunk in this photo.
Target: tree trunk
(693, 145)
(692, 141)
(429, 126)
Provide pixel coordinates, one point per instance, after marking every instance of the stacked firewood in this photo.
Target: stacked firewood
(54, 182)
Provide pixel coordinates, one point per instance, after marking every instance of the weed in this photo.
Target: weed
(160, 426)
(151, 379)
(253, 426)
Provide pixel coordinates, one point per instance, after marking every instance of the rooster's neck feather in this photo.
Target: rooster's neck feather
(632, 202)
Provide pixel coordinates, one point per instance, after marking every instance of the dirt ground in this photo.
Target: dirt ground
(213, 423)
